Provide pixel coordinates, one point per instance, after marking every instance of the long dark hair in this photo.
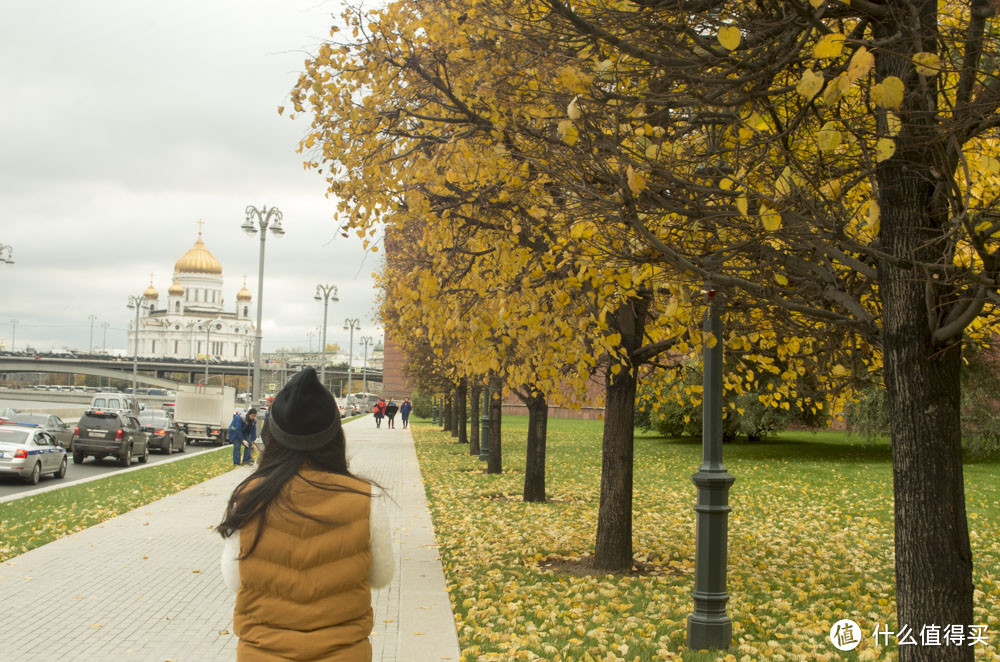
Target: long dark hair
(262, 489)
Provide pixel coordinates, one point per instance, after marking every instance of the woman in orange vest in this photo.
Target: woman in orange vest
(305, 539)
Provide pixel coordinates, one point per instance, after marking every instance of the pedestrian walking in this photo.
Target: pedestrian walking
(379, 412)
(390, 412)
(242, 433)
(404, 412)
(306, 540)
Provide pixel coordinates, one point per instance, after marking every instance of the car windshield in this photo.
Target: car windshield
(17, 437)
(147, 419)
(38, 419)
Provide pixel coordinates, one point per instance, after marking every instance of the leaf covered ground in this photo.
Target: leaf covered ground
(36, 520)
(810, 542)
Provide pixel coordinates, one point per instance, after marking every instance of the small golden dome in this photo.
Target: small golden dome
(175, 289)
(151, 292)
(198, 260)
(244, 293)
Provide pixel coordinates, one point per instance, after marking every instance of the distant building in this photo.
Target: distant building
(194, 321)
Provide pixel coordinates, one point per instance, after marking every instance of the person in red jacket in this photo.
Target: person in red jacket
(379, 412)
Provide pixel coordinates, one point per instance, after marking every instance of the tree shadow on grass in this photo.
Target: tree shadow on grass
(790, 451)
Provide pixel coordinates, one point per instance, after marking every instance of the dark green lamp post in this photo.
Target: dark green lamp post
(709, 626)
(484, 426)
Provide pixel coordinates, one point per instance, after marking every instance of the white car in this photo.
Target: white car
(28, 452)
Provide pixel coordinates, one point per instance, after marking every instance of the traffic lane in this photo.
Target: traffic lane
(10, 485)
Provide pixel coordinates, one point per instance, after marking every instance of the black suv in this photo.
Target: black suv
(103, 433)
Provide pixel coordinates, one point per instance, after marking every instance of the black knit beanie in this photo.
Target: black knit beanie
(304, 416)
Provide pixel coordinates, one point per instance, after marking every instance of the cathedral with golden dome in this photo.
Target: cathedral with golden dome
(194, 322)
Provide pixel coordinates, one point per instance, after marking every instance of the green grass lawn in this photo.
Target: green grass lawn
(810, 542)
(36, 520)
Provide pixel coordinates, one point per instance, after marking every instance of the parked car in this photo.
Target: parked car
(28, 452)
(7, 413)
(117, 433)
(48, 422)
(162, 431)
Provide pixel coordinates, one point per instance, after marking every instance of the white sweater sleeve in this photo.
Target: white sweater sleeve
(230, 562)
(380, 542)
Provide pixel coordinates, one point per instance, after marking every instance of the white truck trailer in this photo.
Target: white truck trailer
(204, 412)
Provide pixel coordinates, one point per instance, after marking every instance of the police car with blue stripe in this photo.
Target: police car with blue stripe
(28, 451)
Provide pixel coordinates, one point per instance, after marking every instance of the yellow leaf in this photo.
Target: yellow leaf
(927, 64)
(861, 63)
(829, 137)
(834, 90)
(873, 213)
(742, 204)
(888, 93)
(829, 46)
(770, 219)
(652, 150)
(884, 149)
(636, 181)
(781, 278)
(730, 37)
(568, 132)
(990, 164)
(815, 3)
(810, 84)
(892, 123)
(840, 371)
(573, 110)
(709, 339)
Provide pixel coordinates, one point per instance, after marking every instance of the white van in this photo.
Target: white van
(115, 402)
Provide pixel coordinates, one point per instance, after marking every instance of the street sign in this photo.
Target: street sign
(271, 387)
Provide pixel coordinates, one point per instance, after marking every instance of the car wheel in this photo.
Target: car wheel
(170, 446)
(78, 457)
(184, 442)
(126, 459)
(62, 468)
(36, 474)
(145, 455)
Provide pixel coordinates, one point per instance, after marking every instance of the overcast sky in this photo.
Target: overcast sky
(122, 124)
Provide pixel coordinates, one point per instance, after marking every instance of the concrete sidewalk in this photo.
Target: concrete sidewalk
(147, 586)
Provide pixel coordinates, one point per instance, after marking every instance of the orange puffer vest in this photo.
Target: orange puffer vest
(304, 591)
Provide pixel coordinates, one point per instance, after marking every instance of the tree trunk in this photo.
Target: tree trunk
(454, 412)
(460, 417)
(613, 550)
(534, 465)
(446, 415)
(494, 463)
(474, 392)
(933, 555)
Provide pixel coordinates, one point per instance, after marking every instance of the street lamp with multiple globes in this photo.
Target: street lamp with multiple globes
(324, 293)
(366, 341)
(265, 218)
(6, 248)
(137, 303)
(351, 324)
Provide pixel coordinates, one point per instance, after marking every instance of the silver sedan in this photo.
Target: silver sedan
(28, 452)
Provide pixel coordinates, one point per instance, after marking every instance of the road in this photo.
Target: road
(10, 486)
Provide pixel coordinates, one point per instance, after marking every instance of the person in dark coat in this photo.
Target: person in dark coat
(242, 433)
(379, 412)
(404, 411)
(390, 412)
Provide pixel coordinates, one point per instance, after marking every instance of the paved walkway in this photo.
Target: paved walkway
(147, 586)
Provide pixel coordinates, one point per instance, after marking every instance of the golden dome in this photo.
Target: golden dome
(244, 293)
(198, 260)
(175, 289)
(151, 292)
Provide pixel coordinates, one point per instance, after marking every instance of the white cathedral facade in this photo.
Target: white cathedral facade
(194, 321)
